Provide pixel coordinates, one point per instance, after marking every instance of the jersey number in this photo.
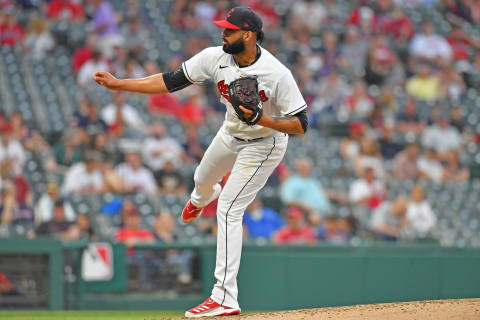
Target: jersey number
(223, 89)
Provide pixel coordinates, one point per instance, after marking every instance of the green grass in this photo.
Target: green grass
(89, 315)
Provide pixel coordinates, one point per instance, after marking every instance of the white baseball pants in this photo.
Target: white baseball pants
(250, 163)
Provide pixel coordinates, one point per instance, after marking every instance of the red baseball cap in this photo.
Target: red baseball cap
(241, 18)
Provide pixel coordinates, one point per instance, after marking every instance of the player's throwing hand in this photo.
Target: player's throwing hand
(106, 79)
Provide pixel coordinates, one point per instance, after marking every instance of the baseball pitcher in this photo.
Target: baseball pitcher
(263, 105)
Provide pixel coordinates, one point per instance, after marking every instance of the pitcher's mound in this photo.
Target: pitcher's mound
(461, 309)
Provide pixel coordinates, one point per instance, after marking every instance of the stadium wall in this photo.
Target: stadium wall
(280, 278)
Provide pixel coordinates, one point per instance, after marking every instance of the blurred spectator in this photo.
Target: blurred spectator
(365, 19)
(11, 32)
(367, 190)
(135, 177)
(131, 69)
(192, 112)
(59, 227)
(354, 52)
(205, 12)
(84, 177)
(430, 167)
(295, 231)
(452, 86)
(406, 163)
(11, 149)
(409, 121)
(137, 35)
(441, 136)
(192, 146)
(164, 228)
(70, 149)
(388, 147)
(13, 212)
(457, 119)
(169, 179)
(359, 104)
(425, 85)
(46, 203)
(304, 191)
(97, 62)
(420, 215)
(104, 22)
(314, 10)
(260, 221)
(381, 63)
(369, 156)
(335, 230)
(429, 46)
(87, 118)
(39, 41)
(330, 95)
(113, 182)
(29, 138)
(350, 147)
(456, 12)
(12, 173)
(132, 234)
(266, 9)
(119, 115)
(159, 147)
(65, 10)
(394, 22)
(330, 53)
(164, 231)
(389, 219)
(453, 170)
(83, 230)
(462, 44)
(85, 53)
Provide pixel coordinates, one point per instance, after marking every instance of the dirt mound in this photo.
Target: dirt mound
(461, 309)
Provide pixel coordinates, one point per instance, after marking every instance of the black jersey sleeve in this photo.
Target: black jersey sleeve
(175, 80)
(302, 116)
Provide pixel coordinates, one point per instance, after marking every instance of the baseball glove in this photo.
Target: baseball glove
(244, 92)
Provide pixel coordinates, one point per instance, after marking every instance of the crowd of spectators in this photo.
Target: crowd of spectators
(397, 86)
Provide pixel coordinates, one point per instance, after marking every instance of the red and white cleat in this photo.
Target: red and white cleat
(190, 212)
(210, 308)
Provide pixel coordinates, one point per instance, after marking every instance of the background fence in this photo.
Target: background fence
(271, 277)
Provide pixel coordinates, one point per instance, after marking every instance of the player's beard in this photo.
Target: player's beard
(234, 47)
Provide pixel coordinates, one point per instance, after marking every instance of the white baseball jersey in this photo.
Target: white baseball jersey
(250, 162)
(277, 88)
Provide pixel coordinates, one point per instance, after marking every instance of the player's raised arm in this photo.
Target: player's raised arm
(155, 84)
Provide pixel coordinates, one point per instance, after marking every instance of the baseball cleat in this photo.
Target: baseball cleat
(210, 308)
(190, 212)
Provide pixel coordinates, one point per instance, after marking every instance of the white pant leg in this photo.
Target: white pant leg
(254, 165)
(216, 162)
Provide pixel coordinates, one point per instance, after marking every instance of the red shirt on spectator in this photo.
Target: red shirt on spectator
(10, 35)
(191, 113)
(399, 28)
(58, 8)
(460, 44)
(81, 56)
(164, 104)
(301, 235)
(124, 234)
(22, 188)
